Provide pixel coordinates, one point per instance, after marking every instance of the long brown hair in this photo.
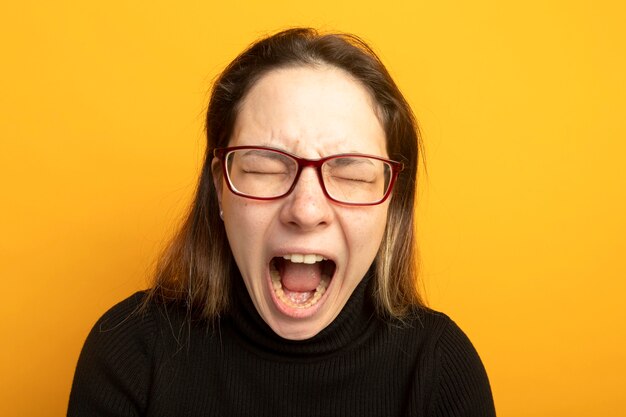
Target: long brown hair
(196, 268)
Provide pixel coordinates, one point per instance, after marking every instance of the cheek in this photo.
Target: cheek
(246, 224)
(367, 229)
(238, 223)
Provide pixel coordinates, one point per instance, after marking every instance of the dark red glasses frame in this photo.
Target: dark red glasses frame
(396, 167)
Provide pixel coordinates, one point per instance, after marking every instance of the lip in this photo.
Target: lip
(293, 312)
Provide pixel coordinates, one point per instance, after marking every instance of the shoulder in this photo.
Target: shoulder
(443, 332)
(125, 331)
(460, 383)
(140, 326)
(131, 320)
(114, 364)
(425, 326)
(449, 376)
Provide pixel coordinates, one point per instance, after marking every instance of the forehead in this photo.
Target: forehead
(310, 111)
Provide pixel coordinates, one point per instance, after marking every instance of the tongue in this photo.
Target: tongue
(300, 277)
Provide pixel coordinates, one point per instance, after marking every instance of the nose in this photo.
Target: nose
(307, 207)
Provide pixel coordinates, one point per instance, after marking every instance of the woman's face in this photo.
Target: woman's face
(312, 113)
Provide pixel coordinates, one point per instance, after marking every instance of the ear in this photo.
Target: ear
(216, 170)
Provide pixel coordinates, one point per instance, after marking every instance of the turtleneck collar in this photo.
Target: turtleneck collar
(353, 323)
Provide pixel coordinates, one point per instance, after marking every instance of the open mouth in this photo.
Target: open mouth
(300, 280)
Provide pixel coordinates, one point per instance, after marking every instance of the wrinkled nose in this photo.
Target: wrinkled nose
(307, 207)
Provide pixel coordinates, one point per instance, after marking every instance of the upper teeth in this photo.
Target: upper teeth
(299, 258)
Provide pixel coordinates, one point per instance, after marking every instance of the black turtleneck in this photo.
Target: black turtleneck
(160, 363)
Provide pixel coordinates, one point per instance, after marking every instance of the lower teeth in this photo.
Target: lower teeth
(298, 300)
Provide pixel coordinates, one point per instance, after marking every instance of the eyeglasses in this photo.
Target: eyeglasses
(263, 173)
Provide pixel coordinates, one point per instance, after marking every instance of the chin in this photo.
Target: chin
(301, 330)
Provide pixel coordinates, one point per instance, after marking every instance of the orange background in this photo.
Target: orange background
(522, 214)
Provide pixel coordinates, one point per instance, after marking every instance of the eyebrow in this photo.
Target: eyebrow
(273, 146)
(350, 160)
(265, 153)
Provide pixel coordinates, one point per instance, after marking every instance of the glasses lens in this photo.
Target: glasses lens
(356, 179)
(260, 172)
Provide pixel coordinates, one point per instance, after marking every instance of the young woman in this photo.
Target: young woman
(291, 288)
